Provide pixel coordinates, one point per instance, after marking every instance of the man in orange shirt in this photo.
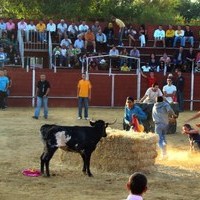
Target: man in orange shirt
(90, 38)
(83, 94)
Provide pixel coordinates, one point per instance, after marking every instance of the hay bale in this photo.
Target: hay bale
(126, 152)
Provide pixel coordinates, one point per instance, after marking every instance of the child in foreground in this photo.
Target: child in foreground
(193, 135)
(137, 185)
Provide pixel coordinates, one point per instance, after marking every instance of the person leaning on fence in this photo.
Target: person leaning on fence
(42, 92)
(137, 186)
(132, 110)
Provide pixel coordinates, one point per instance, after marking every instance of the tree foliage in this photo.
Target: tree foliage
(134, 11)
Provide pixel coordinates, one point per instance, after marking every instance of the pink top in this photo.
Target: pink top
(10, 26)
(134, 197)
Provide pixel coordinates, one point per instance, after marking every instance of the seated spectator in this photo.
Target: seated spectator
(153, 63)
(2, 27)
(131, 35)
(161, 67)
(114, 53)
(109, 32)
(96, 27)
(159, 35)
(188, 36)
(83, 28)
(93, 66)
(51, 28)
(169, 36)
(31, 32)
(3, 57)
(146, 68)
(197, 60)
(72, 31)
(179, 57)
(136, 54)
(11, 54)
(143, 37)
(10, 27)
(65, 42)
(165, 58)
(190, 59)
(79, 43)
(123, 60)
(169, 91)
(41, 28)
(22, 26)
(63, 56)
(125, 68)
(56, 55)
(151, 94)
(101, 40)
(61, 29)
(71, 56)
(179, 34)
(130, 111)
(90, 39)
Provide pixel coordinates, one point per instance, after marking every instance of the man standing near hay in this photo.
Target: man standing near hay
(130, 111)
(160, 114)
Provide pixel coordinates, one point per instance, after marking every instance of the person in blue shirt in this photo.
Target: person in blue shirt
(4, 82)
(130, 111)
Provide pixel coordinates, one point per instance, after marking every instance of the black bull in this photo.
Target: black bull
(80, 139)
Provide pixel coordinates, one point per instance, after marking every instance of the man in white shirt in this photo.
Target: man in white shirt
(51, 27)
(31, 32)
(169, 91)
(66, 42)
(83, 28)
(151, 94)
(22, 25)
(179, 34)
(159, 35)
(72, 30)
(79, 43)
(61, 29)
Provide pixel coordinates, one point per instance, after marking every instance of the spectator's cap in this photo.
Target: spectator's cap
(170, 75)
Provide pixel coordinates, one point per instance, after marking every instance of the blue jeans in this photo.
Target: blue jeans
(41, 101)
(176, 39)
(121, 33)
(83, 101)
(161, 130)
(180, 100)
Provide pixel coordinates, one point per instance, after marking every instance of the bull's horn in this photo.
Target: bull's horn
(110, 123)
(92, 120)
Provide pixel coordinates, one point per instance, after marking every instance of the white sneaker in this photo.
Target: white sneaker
(79, 118)
(87, 118)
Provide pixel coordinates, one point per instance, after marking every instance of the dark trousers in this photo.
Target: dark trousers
(2, 99)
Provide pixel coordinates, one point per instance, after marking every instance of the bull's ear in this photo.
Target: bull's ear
(92, 123)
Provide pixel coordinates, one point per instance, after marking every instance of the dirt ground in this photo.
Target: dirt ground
(177, 178)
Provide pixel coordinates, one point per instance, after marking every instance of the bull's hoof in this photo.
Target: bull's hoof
(46, 175)
(90, 175)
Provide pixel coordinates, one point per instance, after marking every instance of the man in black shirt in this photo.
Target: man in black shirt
(43, 88)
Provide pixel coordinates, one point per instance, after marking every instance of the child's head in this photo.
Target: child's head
(186, 127)
(137, 183)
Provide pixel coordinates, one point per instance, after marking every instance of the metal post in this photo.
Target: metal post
(113, 91)
(33, 87)
(138, 80)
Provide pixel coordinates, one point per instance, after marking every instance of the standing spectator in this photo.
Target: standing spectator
(109, 32)
(143, 37)
(84, 95)
(8, 87)
(136, 54)
(4, 83)
(151, 79)
(188, 36)
(169, 91)
(51, 28)
(72, 31)
(179, 34)
(61, 29)
(22, 26)
(169, 36)
(137, 185)
(159, 35)
(10, 27)
(160, 114)
(121, 26)
(41, 28)
(180, 82)
(132, 110)
(90, 38)
(42, 92)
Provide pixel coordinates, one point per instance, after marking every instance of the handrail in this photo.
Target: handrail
(21, 46)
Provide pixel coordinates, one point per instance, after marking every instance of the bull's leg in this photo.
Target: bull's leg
(42, 163)
(84, 163)
(46, 157)
(87, 162)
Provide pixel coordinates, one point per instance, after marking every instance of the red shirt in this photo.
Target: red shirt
(151, 81)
